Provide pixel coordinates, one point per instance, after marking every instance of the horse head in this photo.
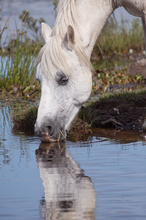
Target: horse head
(65, 76)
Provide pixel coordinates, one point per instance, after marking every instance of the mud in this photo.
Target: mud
(124, 113)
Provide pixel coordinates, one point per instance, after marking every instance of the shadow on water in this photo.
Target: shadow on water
(68, 193)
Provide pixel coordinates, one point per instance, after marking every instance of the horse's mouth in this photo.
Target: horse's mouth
(44, 137)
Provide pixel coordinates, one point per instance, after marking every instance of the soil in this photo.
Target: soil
(124, 113)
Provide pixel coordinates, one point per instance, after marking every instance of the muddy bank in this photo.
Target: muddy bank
(126, 112)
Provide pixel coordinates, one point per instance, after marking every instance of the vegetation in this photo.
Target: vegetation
(24, 120)
(17, 58)
(116, 39)
(124, 96)
(55, 2)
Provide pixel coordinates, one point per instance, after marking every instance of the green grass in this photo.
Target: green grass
(116, 39)
(19, 68)
(17, 59)
(123, 95)
(24, 120)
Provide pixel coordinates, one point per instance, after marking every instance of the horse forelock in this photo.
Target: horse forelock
(53, 58)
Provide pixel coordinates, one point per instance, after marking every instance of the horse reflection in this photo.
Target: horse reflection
(68, 194)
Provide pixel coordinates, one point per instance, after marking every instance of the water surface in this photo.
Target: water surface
(101, 175)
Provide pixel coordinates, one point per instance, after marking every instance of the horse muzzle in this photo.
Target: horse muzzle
(50, 134)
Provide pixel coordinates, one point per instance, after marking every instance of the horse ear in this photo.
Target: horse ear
(46, 32)
(69, 37)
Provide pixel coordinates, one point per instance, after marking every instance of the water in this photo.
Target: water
(99, 176)
(37, 9)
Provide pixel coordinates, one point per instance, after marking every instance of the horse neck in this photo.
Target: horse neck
(87, 17)
(92, 15)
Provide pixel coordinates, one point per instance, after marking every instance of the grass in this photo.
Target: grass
(19, 66)
(109, 80)
(24, 120)
(124, 96)
(17, 58)
(115, 39)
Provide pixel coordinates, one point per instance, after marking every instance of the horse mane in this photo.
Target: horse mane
(66, 15)
(53, 56)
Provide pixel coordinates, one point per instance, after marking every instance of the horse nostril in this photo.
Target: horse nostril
(49, 130)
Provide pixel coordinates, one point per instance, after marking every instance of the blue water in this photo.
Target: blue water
(98, 177)
(118, 172)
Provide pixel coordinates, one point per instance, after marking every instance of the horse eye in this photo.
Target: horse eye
(61, 78)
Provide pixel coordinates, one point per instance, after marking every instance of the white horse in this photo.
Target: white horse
(64, 68)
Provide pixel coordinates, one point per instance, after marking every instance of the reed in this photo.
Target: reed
(120, 39)
(17, 59)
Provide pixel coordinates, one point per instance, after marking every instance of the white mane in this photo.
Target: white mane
(52, 54)
(66, 15)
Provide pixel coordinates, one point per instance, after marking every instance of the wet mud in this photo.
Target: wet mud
(123, 113)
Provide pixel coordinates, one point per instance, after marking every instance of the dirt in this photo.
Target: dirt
(120, 113)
